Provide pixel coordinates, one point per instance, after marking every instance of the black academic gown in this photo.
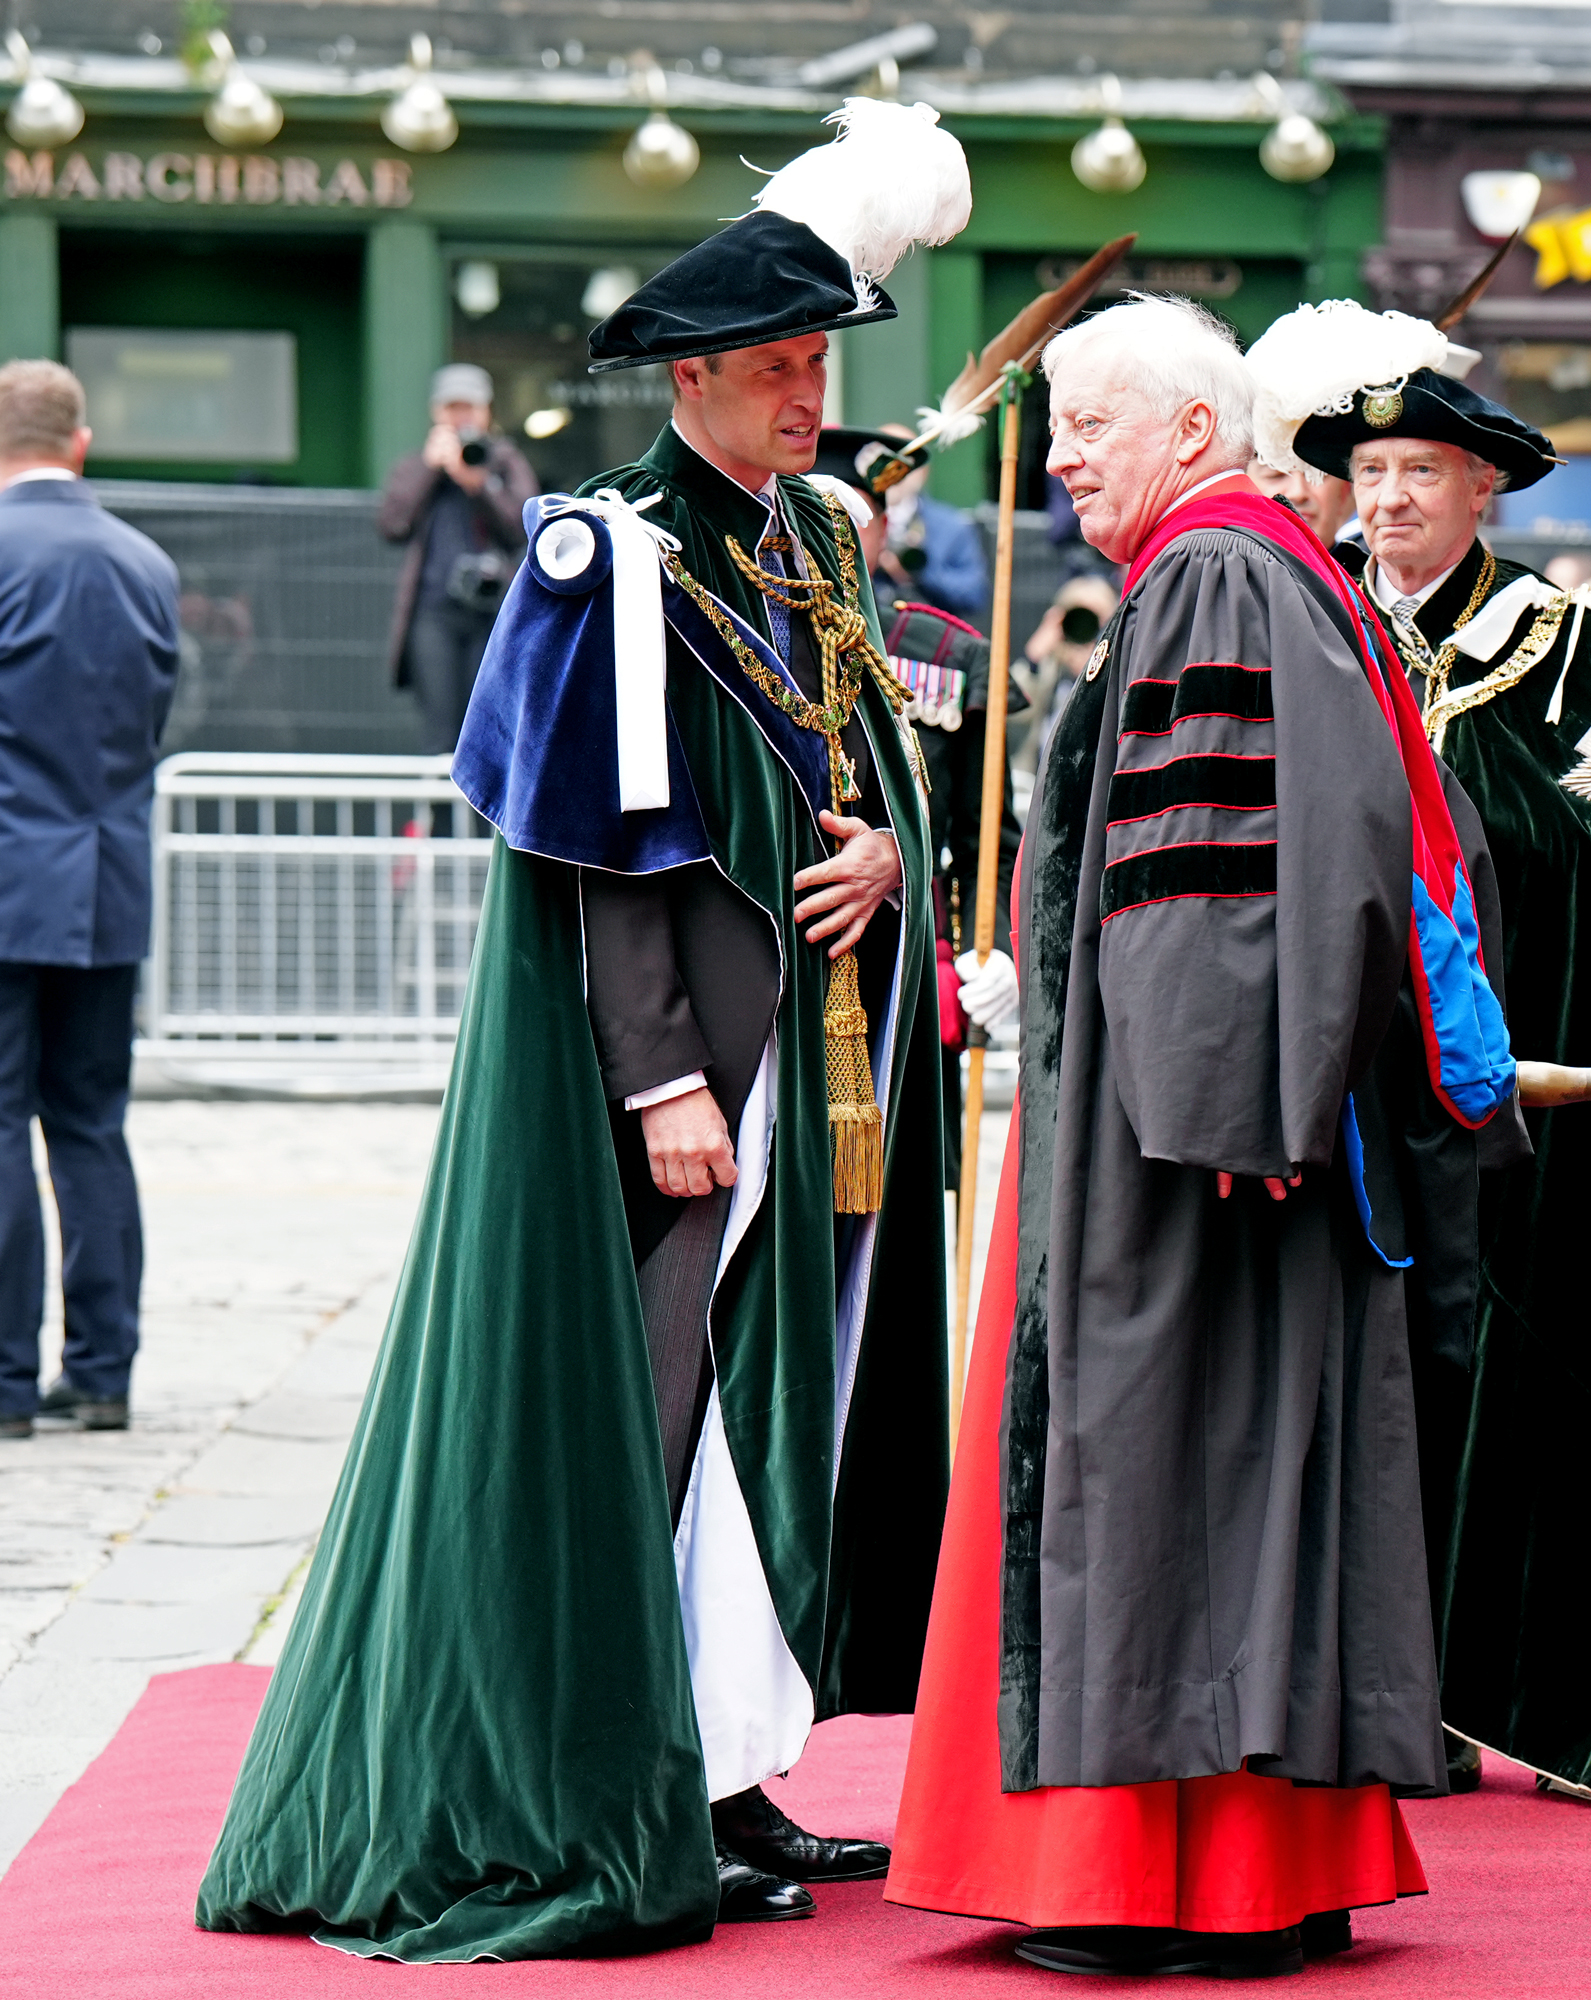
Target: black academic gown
(1213, 1545)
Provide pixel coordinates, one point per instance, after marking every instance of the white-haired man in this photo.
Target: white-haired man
(1182, 1562)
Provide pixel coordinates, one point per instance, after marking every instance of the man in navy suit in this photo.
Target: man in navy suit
(88, 660)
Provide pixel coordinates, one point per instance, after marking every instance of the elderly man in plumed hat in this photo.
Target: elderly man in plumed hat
(1500, 661)
(652, 1468)
(1180, 1664)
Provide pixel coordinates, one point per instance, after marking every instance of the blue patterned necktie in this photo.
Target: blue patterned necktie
(771, 558)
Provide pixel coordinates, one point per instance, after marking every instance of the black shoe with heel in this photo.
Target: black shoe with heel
(1326, 1932)
(747, 1896)
(1138, 1951)
(1463, 1765)
(94, 1413)
(752, 1825)
(60, 1399)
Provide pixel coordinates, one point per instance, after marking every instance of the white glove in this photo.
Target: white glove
(988, 991)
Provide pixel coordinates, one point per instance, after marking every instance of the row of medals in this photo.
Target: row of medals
(937, 715)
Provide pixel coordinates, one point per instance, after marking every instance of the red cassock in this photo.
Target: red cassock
(1230, 1853)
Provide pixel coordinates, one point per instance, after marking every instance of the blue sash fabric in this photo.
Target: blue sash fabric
(538, 756)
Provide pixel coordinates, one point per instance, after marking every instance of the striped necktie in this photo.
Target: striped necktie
(1403, 616)
(770, 555)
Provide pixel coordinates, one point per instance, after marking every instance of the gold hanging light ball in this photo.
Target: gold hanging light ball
(1109, 160)
(1296, 149)
(242, 112)
(419, 118)
(661, 154)
(43, 112)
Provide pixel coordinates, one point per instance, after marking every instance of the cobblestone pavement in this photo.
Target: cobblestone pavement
(274, 1238)
(275, 1234)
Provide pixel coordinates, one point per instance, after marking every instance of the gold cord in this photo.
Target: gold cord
(1443, 704)
(846, 651)
(846, 654)
(1538, 642)
(1436, 667)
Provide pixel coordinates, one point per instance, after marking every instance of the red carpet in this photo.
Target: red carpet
(100, 1905)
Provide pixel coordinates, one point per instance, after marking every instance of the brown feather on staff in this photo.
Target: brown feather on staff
(1026, 337)
(1472, 291)
(1022, 341)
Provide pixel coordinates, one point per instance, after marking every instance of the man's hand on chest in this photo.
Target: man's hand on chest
(847, 889)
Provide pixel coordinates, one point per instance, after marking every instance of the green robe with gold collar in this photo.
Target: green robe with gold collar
(1508, 1560)
(482, 1739)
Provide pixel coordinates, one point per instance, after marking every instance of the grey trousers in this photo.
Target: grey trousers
(676, 1284)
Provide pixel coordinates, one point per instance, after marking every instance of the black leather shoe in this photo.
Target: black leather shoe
(16, 1427)
(747, 1896)
(108, 1414)
(1326, 1932)
(751, 1824)
(60, 1399)
(1463, 1767)
(1140, 1950)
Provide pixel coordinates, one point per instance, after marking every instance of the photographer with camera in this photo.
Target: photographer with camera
(933, 553)
(458, 504)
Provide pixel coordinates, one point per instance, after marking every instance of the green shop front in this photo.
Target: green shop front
(256, 327)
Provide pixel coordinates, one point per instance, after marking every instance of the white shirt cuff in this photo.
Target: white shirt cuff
(660, 1093)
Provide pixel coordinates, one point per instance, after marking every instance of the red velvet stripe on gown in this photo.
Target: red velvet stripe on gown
(1233, 1853)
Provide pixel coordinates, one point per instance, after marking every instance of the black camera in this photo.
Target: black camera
(474, 446)
(1079, 624)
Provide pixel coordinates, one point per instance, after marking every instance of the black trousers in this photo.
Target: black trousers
(66, 1038)
(445, 645)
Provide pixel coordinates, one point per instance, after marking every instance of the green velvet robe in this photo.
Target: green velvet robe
(481, 1740)
(1509, 1561)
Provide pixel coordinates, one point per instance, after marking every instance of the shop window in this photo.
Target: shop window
(301, 295)
(189, 397)
(525, 321)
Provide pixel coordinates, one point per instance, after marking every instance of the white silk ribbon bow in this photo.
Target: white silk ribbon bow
(639, 676)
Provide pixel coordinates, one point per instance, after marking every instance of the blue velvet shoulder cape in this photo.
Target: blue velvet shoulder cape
(537, 755)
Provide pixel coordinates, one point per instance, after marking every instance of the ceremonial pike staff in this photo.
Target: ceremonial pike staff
(1000, 373)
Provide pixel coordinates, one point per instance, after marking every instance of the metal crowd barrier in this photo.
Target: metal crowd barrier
(286, 600)
(313, 923)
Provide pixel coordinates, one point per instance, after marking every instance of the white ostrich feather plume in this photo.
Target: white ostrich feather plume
(891, 179)
(949, 427)
(1312, 362)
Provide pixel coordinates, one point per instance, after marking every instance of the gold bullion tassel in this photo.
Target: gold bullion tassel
(856, 1125)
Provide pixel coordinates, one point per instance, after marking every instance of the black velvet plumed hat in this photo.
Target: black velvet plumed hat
(826, 230)
(862, 458)
(1428, 405)
(763, 278)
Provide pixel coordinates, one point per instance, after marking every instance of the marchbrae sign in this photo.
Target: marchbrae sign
(252, 180)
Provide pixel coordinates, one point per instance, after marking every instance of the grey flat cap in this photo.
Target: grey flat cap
(461, 382)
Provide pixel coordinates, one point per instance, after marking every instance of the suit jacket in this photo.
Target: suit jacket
(410, 495)
(88, 662)
(954, 574)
